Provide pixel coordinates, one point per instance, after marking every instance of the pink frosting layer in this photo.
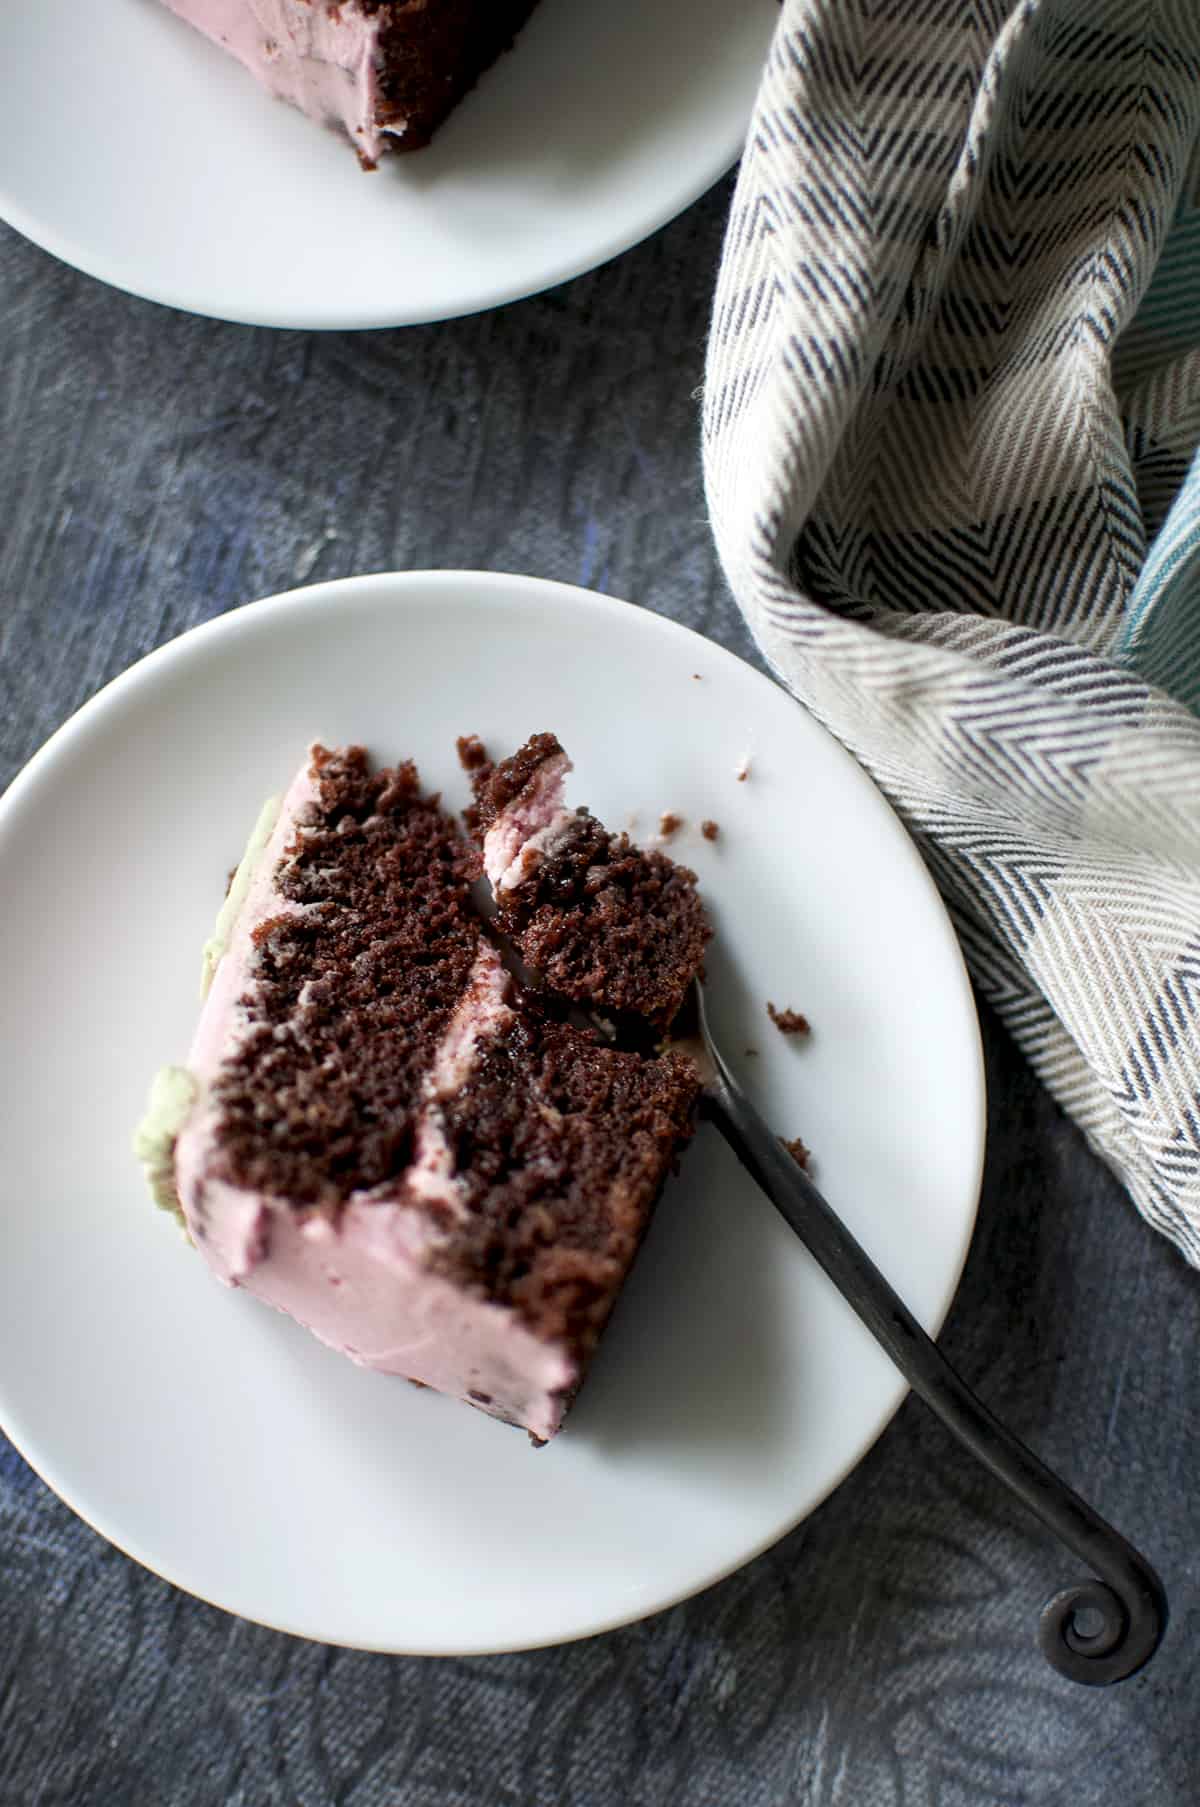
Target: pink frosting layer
(317, 54)
(363, 1284)
(526, 829)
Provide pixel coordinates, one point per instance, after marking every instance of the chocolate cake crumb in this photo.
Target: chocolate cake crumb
(796, 1148)
(473, 758)
(472, 754)
(788, 1022)
(709, 830)
(669, 823)
(742, 770)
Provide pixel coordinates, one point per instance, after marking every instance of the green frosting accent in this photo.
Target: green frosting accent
(218, 942)
(173, 1091)
(172, 1094)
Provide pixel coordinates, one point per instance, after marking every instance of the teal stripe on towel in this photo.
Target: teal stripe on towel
(1161, 638)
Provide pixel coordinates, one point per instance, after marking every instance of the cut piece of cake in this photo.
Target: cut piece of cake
(380, 1134)
(386, 72)
(597, 919)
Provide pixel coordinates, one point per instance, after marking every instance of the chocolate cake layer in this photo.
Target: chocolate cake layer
(597, 919)
(564, 1144)
(353, 988)
(431, 54)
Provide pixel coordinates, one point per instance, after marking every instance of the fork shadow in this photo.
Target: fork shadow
(698, 1333)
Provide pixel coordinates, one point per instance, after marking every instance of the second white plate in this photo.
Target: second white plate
(216, 1441)
(134, 149)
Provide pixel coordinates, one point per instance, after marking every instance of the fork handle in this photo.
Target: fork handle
(1128, 1596)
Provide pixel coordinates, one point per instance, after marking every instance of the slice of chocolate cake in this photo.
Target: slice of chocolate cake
(596, 919)
(380, 1134)
(386, 72)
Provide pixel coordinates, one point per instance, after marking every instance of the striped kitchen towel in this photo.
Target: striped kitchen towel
(951, 419)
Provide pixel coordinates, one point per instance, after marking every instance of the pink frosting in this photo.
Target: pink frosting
(363, 1283)
(317, 54)
(525, 831)
(482, 1012)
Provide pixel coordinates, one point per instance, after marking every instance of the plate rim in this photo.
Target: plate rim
(389, 588)
(726, 149)
(368, 318)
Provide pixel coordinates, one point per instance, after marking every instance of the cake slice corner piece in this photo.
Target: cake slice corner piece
(386, 73)
(598, 920)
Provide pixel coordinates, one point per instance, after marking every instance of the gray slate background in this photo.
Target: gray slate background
(155, 470)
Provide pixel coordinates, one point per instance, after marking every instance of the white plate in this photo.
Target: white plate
(134, 149)
(217, 1442)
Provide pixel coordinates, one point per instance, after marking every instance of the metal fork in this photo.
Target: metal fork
(1097, 1631)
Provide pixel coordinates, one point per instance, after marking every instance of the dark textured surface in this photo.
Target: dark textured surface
(157, 469)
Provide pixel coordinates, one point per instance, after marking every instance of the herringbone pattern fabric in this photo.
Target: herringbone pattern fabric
(947, 476)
